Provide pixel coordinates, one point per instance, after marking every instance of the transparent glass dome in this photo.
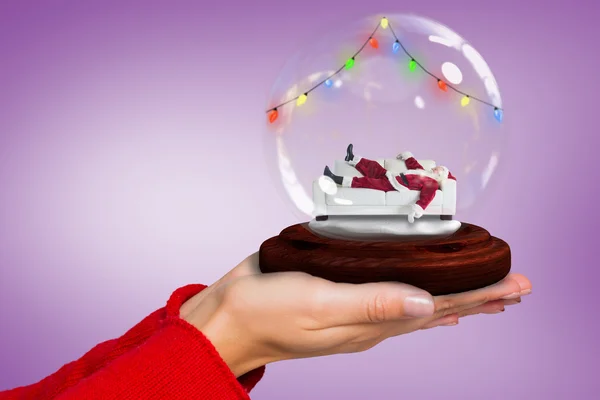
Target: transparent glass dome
(387, 84)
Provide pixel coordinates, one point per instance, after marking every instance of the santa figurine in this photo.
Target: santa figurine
(378, 178)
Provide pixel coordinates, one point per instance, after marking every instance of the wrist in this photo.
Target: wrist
(238, 350)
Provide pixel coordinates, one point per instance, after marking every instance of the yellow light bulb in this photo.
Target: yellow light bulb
(384, 22)
(301, 100)
(465, 101)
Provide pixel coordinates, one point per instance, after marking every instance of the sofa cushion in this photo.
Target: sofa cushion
(395, 165)
(342, 168)
(409, 197)
(356, 197)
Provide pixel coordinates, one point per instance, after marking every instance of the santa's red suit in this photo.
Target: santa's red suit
(414, 178)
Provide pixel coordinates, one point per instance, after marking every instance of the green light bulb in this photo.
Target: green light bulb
(350, 63)
(412, 65)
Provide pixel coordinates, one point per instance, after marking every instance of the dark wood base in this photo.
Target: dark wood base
(469, 259)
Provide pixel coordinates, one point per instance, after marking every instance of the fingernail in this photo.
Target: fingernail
(451, 324)
(525, 292)
(499, 311)
(419, 306)
(512, 296)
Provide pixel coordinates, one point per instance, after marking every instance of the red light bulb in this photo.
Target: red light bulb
(374, 43)
(442, 85)
(273, 114)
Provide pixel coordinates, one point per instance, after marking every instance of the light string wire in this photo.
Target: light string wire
(383, 23)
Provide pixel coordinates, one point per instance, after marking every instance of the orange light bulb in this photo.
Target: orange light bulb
(374, 43)
(442, 85)
(273, 114)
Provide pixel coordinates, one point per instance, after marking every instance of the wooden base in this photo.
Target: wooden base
(469, 259)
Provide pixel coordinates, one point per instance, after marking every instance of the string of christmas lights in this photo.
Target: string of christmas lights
(273, 113)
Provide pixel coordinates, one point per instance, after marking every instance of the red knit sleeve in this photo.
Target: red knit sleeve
(163, 357)
(412, 163)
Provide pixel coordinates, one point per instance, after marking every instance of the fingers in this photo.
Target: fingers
(523, 281)
(361, 337)
(512, 302)
(347, 304)
(448, 320)
(450, 304)
(493, 307)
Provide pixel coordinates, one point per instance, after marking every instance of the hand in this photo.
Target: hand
(404, 156)
(254, 319)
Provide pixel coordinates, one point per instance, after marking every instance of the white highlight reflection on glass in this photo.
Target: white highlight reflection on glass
(337, 83)
(484, 72)
(452, 73)
(445, 41)
(419, 102)
(319, 76)
(367, 90)
(438, 33)
(489, 170)
(291, 184)
(314, 77)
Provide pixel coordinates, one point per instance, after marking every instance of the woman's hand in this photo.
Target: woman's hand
(254, 319)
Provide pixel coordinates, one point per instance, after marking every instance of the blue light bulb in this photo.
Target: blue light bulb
(328, 83)
(498, 114)
(396, 47)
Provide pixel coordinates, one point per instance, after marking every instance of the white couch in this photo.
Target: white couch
(330, 199)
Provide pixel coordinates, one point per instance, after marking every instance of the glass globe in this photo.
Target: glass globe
(386, 84)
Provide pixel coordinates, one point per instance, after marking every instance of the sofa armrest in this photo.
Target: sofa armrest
(448, 187)
(319, 199)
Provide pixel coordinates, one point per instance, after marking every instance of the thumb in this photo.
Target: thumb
(376, 303)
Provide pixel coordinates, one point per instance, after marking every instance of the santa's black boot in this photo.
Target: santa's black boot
(336, 179)
(349, 154)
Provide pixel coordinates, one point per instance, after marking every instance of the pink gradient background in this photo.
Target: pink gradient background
(116, 116)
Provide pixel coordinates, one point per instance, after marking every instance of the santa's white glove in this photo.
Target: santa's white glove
(415, 212)
(404, 156)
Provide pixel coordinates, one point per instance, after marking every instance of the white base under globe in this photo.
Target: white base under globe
(383, 227)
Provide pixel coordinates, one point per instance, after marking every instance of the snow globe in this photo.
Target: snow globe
(385, 134)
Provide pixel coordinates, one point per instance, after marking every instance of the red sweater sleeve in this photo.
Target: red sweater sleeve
(163, 357)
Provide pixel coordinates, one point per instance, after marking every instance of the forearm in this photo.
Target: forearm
(427, 195)
(99, 356)
(142, 362)
(410, 161)
(178, 362)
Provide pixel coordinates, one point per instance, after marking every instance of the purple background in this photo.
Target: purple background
(115, 117)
